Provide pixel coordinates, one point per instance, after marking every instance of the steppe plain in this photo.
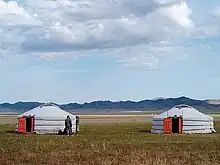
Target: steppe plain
(108, 140)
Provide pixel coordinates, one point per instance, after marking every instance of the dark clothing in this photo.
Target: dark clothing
(68, 131)
(68, 123)
(77, 124)
(68, 126)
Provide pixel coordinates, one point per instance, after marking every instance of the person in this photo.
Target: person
(68, 125)
(77, 124)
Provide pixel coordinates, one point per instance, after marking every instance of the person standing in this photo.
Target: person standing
(68, 125)
(77, 124)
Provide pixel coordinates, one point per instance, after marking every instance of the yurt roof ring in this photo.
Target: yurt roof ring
(48, 104)
(180, 106)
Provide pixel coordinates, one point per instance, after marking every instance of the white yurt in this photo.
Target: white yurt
(182, 119)
(47, 118)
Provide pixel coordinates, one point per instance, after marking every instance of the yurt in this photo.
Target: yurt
(47, 118)
(182, 119)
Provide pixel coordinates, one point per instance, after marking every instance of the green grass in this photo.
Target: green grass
(127, 143)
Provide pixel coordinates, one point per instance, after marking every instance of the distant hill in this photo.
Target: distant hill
(144, 105)
(216, 102)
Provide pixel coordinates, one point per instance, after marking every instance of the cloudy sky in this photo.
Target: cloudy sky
(85, 50)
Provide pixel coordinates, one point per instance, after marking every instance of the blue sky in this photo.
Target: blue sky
(80, 51)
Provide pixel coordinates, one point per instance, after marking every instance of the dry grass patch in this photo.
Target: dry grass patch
(119, 144)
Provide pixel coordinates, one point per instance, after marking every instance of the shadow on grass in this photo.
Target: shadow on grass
(8, 132)
(145, 131)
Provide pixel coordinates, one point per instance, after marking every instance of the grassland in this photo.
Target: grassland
(11, 119)
(97, 118)
(109, 144)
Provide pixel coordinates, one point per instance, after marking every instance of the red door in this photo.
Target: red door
(33, 123)
(22, 125)
(167, 126)
(180, 125)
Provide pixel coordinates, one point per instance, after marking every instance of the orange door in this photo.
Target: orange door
(22, 125)
(32, 125)
(180, 125)
(167, 126)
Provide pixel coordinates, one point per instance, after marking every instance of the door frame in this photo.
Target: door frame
(23, 124)
(167, 125)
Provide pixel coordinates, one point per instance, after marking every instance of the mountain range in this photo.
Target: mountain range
(144, 105)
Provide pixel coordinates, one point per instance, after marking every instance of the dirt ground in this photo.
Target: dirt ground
(89, 119)
(93, 119)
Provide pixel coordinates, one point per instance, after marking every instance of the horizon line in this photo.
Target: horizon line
(86, 102)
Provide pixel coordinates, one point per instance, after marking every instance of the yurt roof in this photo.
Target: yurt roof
(183, 110)
(48, 110)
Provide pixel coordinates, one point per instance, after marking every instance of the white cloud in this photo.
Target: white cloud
(216, 12)
(11, 14)
(12, 7)
(56, 27)
(179, 13)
